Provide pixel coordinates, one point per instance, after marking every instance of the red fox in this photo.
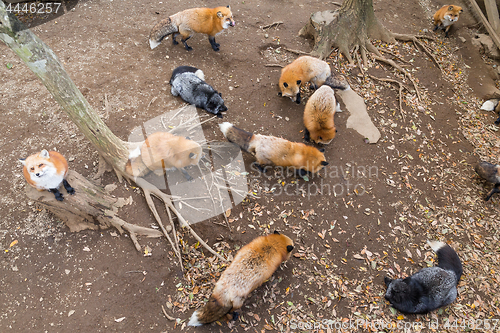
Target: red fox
(446, 16)
(46, 171)
(253, 265)
(209, 21)
(162, 151)
(318, 116)
(491, 173)
(307, 69)
(277, 151)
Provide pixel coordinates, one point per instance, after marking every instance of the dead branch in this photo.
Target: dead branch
(486, 24)
(296, 51)
(166, 314)
(273, 65)
(267, 26)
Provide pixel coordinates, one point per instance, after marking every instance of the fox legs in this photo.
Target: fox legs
(215, 46)
(183, 40)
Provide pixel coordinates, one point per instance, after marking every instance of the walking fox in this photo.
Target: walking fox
(431, 287)
(270, 150)
(252, 266)
(45, 171)
(209, 21)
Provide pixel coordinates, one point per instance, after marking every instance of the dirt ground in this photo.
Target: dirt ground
(382, 202)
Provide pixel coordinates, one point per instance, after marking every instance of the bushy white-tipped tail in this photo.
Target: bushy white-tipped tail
(224, 127)
(153, 44)
(337, 108)
(199, 73)
(436, 245)
(194, 321)
(135, 153)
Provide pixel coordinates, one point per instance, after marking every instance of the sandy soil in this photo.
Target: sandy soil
(381, 203)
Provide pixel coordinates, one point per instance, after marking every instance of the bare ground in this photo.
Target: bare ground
(418, 181)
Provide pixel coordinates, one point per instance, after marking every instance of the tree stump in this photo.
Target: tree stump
(91, 207)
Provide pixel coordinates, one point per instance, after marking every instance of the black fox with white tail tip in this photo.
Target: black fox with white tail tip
(188, 82)
(431, 287)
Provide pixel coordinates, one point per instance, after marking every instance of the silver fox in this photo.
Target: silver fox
(431, 287)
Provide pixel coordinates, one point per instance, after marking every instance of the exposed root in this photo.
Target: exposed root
(413, 38)
(400, 92)
(149, 190)
(273, 65)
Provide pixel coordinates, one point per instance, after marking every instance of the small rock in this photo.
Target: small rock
(266, 35)
(67, 271)
(231, 88)
(71, 312)
(287, 119)
(420, 108)
(462, 39)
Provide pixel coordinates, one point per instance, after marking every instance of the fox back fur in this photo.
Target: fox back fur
(431, 287)
(308, 69)
(253, 265)
(209, 21)
(319, 116)
(163, 151)
(270, 150)
(188, 83)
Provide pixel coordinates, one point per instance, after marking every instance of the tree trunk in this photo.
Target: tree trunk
(89, 204)
(45, 64)
(353, 24)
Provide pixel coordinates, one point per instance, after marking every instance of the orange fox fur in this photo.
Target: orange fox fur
(446, 16)
(302, 70)
(46, 171)
(253, 265)
(209, 21)
(319, 116)
(270, 150)
(161, 151)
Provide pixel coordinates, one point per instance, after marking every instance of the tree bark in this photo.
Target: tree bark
(353, 24)
(45, 64)
(91, 207)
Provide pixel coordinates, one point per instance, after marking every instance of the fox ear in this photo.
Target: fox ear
(322, 150)
(299, 81)
(387, 281)
(285, 84)
(192, 155)
(276, 232)
(450, 8)
(461, 11)
(23, 161)
(280, 94)
(219, 14)
(289, 248)
(220, 94)
(324, 163)
(407, 280)
(228, 7)
(44, 154)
